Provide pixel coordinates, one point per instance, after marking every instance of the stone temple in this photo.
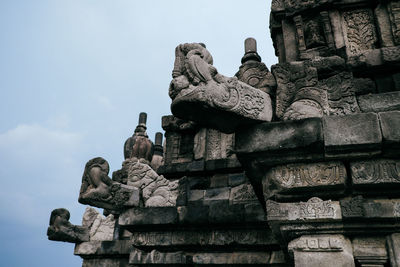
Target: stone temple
(297, 166)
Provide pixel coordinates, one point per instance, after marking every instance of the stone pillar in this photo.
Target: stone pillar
(321, 251)
(157, 160)
(370, 251)
(393, 244)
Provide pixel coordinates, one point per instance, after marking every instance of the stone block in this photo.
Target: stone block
(222, 164)
(293, 180)
(322, 251)
(271, 142)
(196, 195)
(216, 194)
(393, 244)
(204, 237)
(352, 135)
(103, 248)
(193, 214)
(376, 172)
(315, 209)
(243, 193)
(102, 228)
(219, 180)
(377, 209)
(148, 216)
(379, 102)
(254, 212)
(236, 179)
(222, 212)
(370, 251)
(239, 258)
(390, 125)
(156, 257)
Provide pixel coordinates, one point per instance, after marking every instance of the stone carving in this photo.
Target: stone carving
(340, 90)
(61, 229)
(139, 146)
(299, 175)
(242, 194)
(158, 159)
(375, 171)
(314, 36)
(391, 54)
(321, 250)
(99, 190)
(360, 30)
(156, 257)
(219, 145)
(205, 237)
(317, 244)
(352, 207)
(100, 228)
(198, 90)
(157, 191)
(314, 209)
(394, 11)
(179, 135)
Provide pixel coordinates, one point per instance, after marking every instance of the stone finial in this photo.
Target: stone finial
(60, 229)
(142, 118)
(139, 145)
(158, 139)
(250, 51)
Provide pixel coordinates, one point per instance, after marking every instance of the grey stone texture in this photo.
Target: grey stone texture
(321, 251)
(198, 91)
(60, 229)
(297, 166)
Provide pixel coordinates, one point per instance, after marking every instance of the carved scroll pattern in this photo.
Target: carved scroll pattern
(361, 34)
(376, 171)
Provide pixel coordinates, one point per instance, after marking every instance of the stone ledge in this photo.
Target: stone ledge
(103, 248)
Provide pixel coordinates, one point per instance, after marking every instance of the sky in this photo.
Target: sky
(74, 76)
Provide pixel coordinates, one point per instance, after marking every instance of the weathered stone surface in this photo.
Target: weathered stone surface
(158, 158)
(139, 146)
(157, 191)
(372, 172)
(315, 209)
(302, 138)
(379, 102)
(243, 193)
(352, 135)
(383, 25)
(102, 228)
(390, 125)
(193, 214)
(358, 207)
(89, 217)
(222, 212)
(393, 243)
(391, 55)
(216, 194)
(370, 251)
(219, 145)
(103, 248)
(316, 178)
(198, 91)
(60, 229)
(236, 179)
(156, 257)
(99, 190)
(321, 251)
(119, 262)
(199, 146)
(239, 258)
(147, 216)
(204, 237)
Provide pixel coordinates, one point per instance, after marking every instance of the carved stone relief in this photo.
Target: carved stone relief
(375, 171)
(394, 11)
(196, 83)
(60, 229)
(360, 31)
(99, 190)
(156, 190)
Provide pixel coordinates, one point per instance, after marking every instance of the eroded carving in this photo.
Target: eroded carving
(376, 171)
(394, 11)
(99, 190)
(196, 83)
(361, 34)
(61, 229)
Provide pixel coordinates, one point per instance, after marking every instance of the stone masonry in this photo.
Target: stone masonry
(297, 166)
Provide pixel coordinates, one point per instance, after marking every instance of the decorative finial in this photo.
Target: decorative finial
(142, 118)
(250, 51)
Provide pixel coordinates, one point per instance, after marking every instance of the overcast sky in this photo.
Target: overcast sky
(74, 76)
